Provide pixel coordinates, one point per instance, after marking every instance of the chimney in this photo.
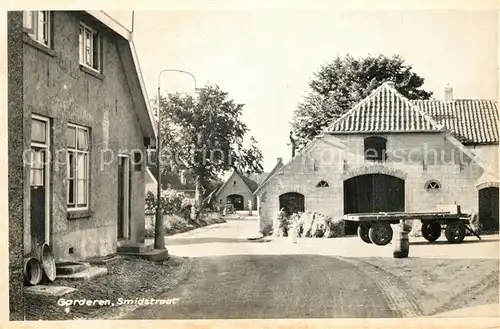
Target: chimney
(448, 93)
(390, 83)
(279, 160)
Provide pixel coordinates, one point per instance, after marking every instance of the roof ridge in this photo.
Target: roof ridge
(418, 110)
(358, 105)
(389, 86)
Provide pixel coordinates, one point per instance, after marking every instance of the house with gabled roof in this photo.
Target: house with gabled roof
(391, 154)
(87, 125)
(237, 190)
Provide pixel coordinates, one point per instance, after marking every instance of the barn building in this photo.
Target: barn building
(391, 154)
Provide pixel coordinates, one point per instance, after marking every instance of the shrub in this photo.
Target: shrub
(172, 202)
(309, 224)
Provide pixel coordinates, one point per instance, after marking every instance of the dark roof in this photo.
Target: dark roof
(258, 178)
(471, 121)
(173, 180)
(277, 167)
(252, 185)
(384, 110)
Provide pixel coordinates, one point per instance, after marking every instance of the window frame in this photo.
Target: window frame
(428, 188)
(323, 184)
(33, 30)
(81, 47)
(76, 151)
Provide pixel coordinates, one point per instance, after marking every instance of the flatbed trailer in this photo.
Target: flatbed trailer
(376, 227)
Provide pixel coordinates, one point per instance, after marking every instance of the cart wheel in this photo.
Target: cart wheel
(380, 234)
(363, 230)
(431, 231)
(455, 232)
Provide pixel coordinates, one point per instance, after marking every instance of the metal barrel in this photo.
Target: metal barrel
(44, 254)
(32, 271)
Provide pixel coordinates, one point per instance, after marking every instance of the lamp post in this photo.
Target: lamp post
(159, 231)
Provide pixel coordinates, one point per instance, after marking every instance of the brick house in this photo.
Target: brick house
(391, 154)
(89, 129)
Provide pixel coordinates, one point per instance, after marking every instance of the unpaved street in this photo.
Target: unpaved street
(233, 277)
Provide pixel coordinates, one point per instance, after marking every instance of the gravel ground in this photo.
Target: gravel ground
(439, 285)
(127, 278)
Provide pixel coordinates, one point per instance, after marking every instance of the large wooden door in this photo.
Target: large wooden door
(372, 193)
(488, 208)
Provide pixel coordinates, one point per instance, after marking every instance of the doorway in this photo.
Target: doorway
(292, 202)
(236, 200)
(39, 181)
(124, 194)
(372, 193)
(488, 209)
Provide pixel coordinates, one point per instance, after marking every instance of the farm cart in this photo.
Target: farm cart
(376, 227)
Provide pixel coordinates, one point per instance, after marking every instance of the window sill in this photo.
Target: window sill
(92, 72)
(28, 40)
(79, 214)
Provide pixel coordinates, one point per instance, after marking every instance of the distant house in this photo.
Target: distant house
(87, 126)
(176, 180)
(238, 189)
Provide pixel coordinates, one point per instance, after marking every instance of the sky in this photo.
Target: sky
(265, 59)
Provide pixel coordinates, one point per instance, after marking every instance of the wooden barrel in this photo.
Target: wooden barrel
(401, 244)
(32, 271)
(44, 254)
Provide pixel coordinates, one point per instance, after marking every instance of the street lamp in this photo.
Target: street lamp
(159, 231)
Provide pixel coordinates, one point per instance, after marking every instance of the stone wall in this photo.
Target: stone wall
(15, 163)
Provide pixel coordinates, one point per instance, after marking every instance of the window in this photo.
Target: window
(89, 48)
(38, 25)
(323, 184)
(77, 139)
(37, 175)
(39, 148)
(375, 148)
(432, 185)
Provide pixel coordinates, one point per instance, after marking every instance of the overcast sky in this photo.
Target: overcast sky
(265, 59)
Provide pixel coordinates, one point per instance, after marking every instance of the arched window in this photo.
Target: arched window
(323, 184)
(375, 148)
(432, 185)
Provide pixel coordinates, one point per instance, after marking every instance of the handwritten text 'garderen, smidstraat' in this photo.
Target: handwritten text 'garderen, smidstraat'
(119, 302)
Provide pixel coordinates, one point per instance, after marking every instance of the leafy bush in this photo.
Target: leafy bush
(172, 202)
(309, 224)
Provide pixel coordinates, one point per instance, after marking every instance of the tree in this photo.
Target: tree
(204, 136)
(339, 85)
